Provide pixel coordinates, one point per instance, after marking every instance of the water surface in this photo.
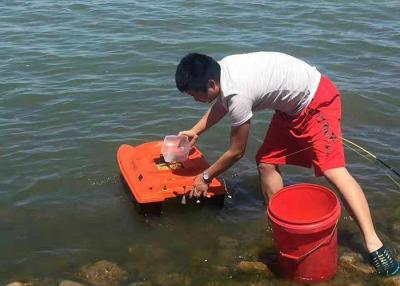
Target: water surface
(80, 78)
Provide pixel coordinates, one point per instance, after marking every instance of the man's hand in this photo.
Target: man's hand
(199, 187)
(191, 135)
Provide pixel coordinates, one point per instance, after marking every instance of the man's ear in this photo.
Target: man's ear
(214, 87)
(212, 84)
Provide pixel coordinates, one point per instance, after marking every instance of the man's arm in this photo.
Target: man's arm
(237, 148)
(239, 137)
(214, 114)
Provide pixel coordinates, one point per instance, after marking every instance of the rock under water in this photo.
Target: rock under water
(103, 273)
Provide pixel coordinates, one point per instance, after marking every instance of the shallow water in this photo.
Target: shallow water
(80, 78)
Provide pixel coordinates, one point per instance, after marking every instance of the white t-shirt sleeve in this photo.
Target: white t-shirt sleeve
(239, 109)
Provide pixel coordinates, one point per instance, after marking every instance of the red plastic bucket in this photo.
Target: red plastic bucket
(304, 220)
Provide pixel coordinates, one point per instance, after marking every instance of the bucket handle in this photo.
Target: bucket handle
(301, 257)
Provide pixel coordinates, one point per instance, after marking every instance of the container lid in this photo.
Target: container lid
(303, 204)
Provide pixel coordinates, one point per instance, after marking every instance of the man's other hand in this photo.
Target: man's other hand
(191, 135)
(200, 187)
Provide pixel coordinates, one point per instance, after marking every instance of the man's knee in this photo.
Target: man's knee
(270, 179)
(336, 174)
(267, 169)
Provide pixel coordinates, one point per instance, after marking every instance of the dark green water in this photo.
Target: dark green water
(79, 78)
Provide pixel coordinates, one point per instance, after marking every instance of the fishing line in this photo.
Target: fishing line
(349, 144)
(392, 179)
(373, 156)
(397, 183)
(251, 169)
(359, 153)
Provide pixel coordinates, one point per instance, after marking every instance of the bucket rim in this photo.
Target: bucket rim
(325, 218)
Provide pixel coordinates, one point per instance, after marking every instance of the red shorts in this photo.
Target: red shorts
(311, 138)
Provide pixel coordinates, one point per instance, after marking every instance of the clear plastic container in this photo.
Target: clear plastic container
(175, 148)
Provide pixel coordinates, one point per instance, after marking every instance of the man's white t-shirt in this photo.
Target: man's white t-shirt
(256, 81)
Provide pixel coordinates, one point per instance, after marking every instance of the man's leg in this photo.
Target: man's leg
(270, 179)
(357, 202)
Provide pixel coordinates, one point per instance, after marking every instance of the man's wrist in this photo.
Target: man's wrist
(206, 177)
(195, 131)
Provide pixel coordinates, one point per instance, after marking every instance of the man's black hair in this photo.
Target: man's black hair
(194, 71)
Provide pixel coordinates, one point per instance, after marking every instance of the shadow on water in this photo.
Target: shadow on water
(270, 257)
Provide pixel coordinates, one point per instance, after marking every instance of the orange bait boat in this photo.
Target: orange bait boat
(152, 180)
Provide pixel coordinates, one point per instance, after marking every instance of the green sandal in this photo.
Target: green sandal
(384, 262)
